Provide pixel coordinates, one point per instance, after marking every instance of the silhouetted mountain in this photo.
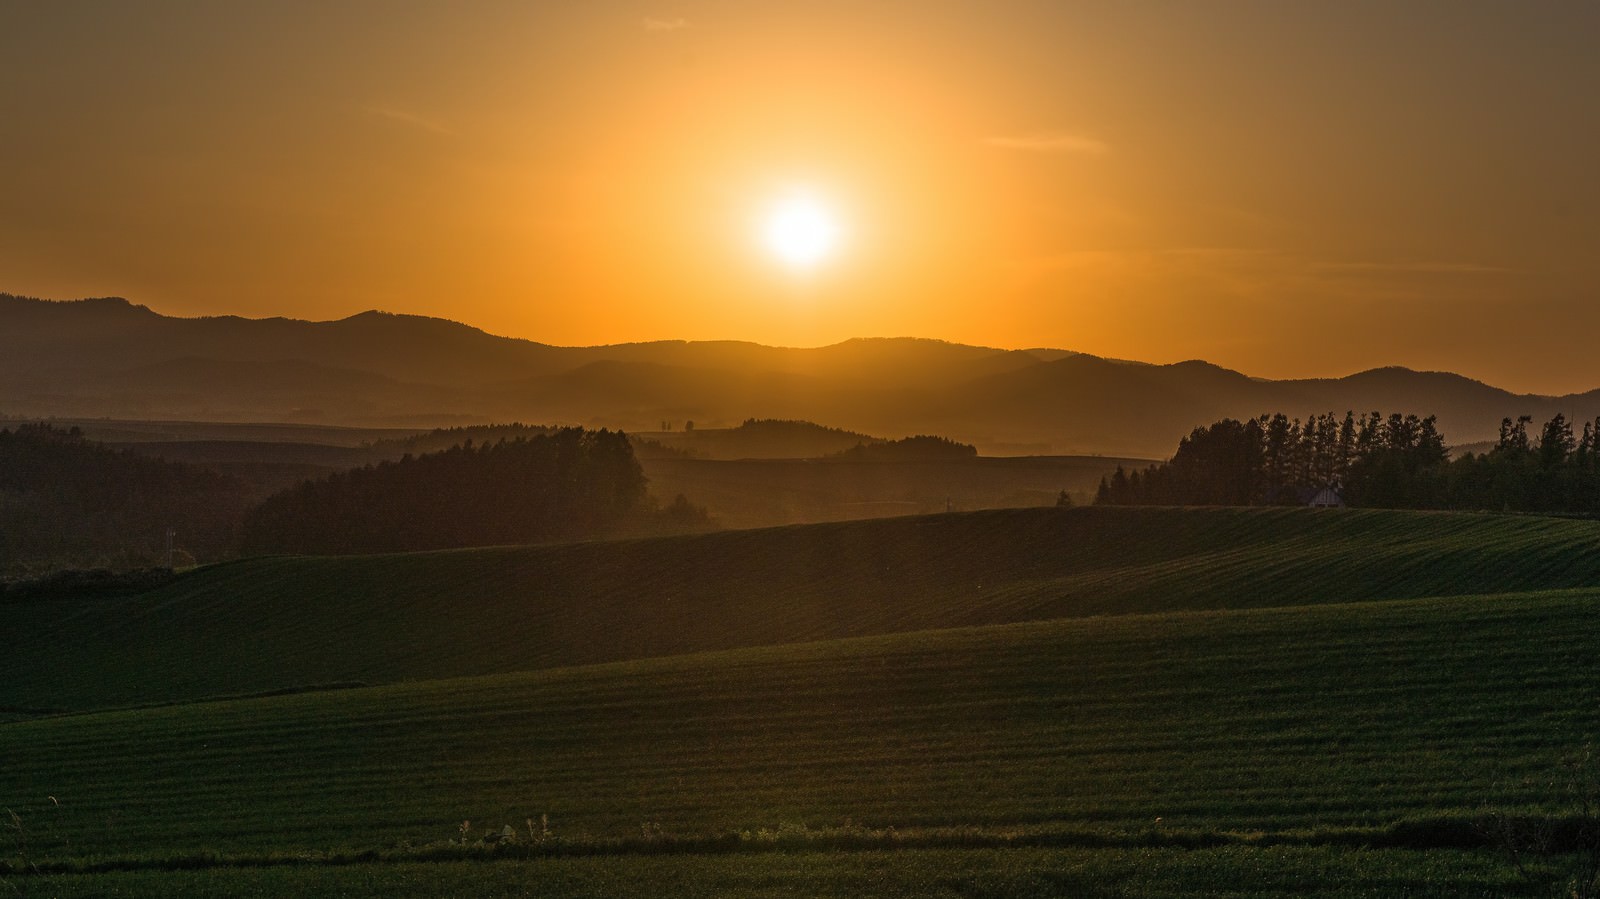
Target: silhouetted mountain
(108, 357)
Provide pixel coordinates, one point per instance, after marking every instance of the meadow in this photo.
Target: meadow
(754, 493)
(1311, 873)
(1120, 702)
(296, 622)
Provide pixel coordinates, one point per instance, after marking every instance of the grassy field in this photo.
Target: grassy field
(286, 623)
(1241, 726)
(746, 493)
(1334, 723)
(1310, 873)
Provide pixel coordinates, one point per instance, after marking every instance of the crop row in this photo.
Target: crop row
(284, 623)
(1271, 720)
(1312, 873)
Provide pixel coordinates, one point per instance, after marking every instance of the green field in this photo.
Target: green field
(280, 623)
(1088, 702)
(906, 873)
(749, 493)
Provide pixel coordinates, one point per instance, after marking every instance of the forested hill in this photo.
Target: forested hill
(920, 447)
(69, 501)
(111, 357)
(1399, 462)
(757, 439)
(564, 485)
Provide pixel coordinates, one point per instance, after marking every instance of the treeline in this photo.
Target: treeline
(919, 448)
(69, 503)
(762, 438)
(792, 428)
(561, 485)
(1558, 474)
(568, 483)
(440, 439)
(444, 438)
(1395, 462)
(66, 501)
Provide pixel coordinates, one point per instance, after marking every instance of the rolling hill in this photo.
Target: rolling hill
(380, 619)
(1031, 702)
(1341, 726)
(109, 357)
(745, 493)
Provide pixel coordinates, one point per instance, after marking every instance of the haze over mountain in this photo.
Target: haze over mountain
(108, 357)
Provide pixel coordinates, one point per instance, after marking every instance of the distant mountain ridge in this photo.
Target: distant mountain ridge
(110, 357)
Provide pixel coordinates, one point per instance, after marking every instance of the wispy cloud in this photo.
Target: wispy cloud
(1413, 268)
(1050, 142)
(652, 24)
(1165, 258)
(1260, 259)
(408, 118)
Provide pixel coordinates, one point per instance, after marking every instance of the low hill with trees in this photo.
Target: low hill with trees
(563, 485)
(1398, 462)
(765, 438)
(440, 439)
(70, 502)
(921, 448)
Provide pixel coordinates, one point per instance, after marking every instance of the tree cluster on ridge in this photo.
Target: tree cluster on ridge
(1394, 462)
(568, 484)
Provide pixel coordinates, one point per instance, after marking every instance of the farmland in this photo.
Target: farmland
(748, 493)
(1315, 873)
(282, 623)
(1096, 701)
(762, 474)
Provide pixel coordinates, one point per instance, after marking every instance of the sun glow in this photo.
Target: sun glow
(801, 231)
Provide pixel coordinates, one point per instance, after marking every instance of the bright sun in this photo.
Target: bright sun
(801, 231)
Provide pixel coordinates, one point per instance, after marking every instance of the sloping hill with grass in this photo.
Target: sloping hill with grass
(752, 493)
(286, 623)
(1380, 724)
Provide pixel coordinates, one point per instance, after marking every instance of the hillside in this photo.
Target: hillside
(1385, 724)
(763, 439)
(747, 493)
(110, 357)
(739, 487)
(276, 623)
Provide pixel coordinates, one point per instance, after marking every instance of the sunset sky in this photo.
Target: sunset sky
(1288, 189)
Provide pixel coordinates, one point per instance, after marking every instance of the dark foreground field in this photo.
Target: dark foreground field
(906, 873)
(1185, 702)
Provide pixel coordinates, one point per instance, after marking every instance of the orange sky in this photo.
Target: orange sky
(1285, 189)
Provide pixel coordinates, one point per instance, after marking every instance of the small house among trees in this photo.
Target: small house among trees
(1326, 498)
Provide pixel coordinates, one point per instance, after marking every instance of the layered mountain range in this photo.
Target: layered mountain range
(111, 358)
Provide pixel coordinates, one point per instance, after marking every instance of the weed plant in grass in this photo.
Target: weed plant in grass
(1303, 722)
(277, 623)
